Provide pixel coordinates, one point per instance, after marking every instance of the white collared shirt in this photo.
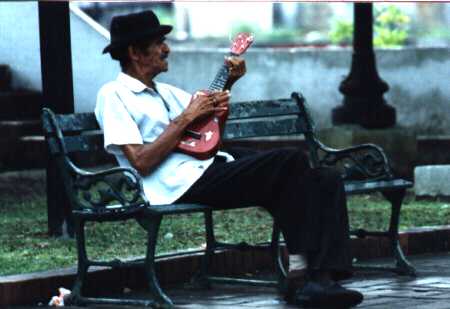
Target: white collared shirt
(131, 113)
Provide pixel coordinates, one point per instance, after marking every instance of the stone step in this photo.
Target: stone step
(15, 129)
(5, 77)
(23, 153)
(20, 104)
(30, 151)
(22, 145)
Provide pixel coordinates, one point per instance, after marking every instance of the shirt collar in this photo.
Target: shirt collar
(132, 83)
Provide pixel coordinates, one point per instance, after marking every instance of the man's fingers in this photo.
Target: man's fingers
(212, 101)
(224, 94)
(219, 97)
(222, 97)
(222, 102)
(220, 108)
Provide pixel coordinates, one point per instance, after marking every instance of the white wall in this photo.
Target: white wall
(91, 68)
(19, 43)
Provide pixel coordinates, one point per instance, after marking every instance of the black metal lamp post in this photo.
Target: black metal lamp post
(363, 88)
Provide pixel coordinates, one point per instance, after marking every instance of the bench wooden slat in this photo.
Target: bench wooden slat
(187, 208)
(263, 127)
(357, 187)
(234, 130)
(176, 208)
(87, 121)
(73, 123)
(78, 143)
(243, 110)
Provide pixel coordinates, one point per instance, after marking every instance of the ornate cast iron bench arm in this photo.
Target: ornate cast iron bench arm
(92, 193)
(361, 162)
(117, 190)
(365, 168)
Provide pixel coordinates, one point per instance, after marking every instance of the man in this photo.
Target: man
(144, 120)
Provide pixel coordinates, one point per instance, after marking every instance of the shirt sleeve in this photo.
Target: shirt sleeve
(119, 128)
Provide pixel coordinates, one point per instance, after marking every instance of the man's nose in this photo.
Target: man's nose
(166, 48)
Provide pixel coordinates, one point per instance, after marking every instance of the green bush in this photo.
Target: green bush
(342, 32)
(391, 28)
(281, 35)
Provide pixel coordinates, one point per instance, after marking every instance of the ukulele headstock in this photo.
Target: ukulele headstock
(240, 43)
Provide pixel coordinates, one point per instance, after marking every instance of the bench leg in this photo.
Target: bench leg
(160, 298)
(403, 267)
(202, 278)
(277, 256)
(83, 263)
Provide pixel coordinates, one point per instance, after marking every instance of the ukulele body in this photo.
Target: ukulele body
(203, 137)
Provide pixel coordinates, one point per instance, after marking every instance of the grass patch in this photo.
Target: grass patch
(27, 248)
(373, 212)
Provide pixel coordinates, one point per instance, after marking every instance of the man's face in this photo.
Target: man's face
(153, 60)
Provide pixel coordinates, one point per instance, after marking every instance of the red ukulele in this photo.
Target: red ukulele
(202, 138)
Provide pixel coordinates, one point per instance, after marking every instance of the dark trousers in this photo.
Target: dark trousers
(308, 204)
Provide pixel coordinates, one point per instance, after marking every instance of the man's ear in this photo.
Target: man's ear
(133, 53)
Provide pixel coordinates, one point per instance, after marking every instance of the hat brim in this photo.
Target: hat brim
(161, 30)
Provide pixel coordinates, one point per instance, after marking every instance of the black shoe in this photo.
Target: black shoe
(318, 295)
(294, 282)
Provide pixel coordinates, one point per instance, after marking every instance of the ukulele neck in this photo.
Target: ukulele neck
(219, 82)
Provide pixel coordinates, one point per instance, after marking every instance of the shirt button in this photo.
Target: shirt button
(200, 166)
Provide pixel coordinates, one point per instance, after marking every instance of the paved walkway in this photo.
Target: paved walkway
(430, 290)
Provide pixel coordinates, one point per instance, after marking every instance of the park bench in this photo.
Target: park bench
(116, 194)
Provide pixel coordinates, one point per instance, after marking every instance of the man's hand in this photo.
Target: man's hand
(205, 103)
(236, 69)
(146, 157)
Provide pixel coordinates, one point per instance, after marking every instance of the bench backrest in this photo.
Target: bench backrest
(80, 132)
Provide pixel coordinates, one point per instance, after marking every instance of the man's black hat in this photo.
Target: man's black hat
(126, 29)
